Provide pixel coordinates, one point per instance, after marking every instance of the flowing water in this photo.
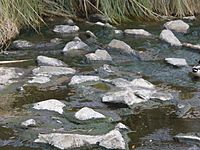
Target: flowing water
(151, 128)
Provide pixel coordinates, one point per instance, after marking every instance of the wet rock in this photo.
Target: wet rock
(137, 33)
(87, 114)
(78, 79)
(51, 70)
(190, 18)
(39, 80)
(8, 75)
(177, 26)
(111, 140)
(161, 97)
(47, 61)
(99, 55)
(183, 109)
(51, 105)
(127, 97)
(179, 62)
(192, 46)
(98, 18)
(56, 40)
(169, 37)
(105, 70)
(22, 44)
(65, 29)
(29, 123)
(122, 46)
(76, 44)
(193, 138)
(120, 82)
(107, 25)
(90, 34)
(142, 83)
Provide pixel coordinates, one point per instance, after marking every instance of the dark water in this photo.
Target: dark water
(152, 129)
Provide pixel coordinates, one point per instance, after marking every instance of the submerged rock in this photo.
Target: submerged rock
(29, 123)
(51, 70)
(65, 29)
(179, 62)
(137, 33)
(22, 44)
(77, 79)
(51, 105)
(169, 37)
(177, 26)
(47, 61)
(99, 55)
(111, 140)
(122, 46)
(87, 114)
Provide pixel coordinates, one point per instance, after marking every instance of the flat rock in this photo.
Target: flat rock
(51, 70)
(78, 79)
(47, 61)
(188, 138)
(99, 55)
(120, 82)
(177, 26)
(51, 105)
(39, 80)
(105, 70)
(140, 82)
(87, 114)
(111, 140)
(29, 123)
(65, 29)
(22, 44)
(169, 37)
(137, 32)
(192, 46)
(179, 62)
(122, 46)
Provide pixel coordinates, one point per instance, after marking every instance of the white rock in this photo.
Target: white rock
(88, 113)
(77, 79)
(169, 37)
(121, 126)
(29, 123)
(142, 83)
(66, 29)
(47, 61)
(137, 32)
(120, 82)
(191, 18)
(111, 140)
(118, 32)
(177, 26)
(75, 45)
(22, 44)
(51, 70)
(39, 80)
(176, 61)
(51, 105)
(99, 55)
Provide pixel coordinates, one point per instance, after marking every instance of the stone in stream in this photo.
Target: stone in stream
(52, 71)
(177, 26)
(111, 140)
(29, 123)
(90, 34)
(179, 62)
(98, 17)
(107, 25)
(192, 138)
(120, 82)
(118, 32)
(137, 33)
(169, 37)
(22, 44)
(105, 70)
(121, 46)
(39, 80)
(51, 105)
(192, 46)
(189, 18)
(47, 61)
(87, 113)
(65, 29)
(121, 126)
(78, 79)
(140, 82)
(183, 109)
(99, 55)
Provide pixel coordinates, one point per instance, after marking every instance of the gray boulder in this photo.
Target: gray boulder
(137, 33)
(51, 105)
(111, 140)
(65, 29)
(177, 26)
(47, 61)
(29, 123)
(122, 46)
(87, 114)
(99, 55)
(22, 44)
(78, 79)
(169, 37)
(179, 62)
(52, 71)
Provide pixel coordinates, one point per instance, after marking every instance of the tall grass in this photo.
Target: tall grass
(17, 13)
